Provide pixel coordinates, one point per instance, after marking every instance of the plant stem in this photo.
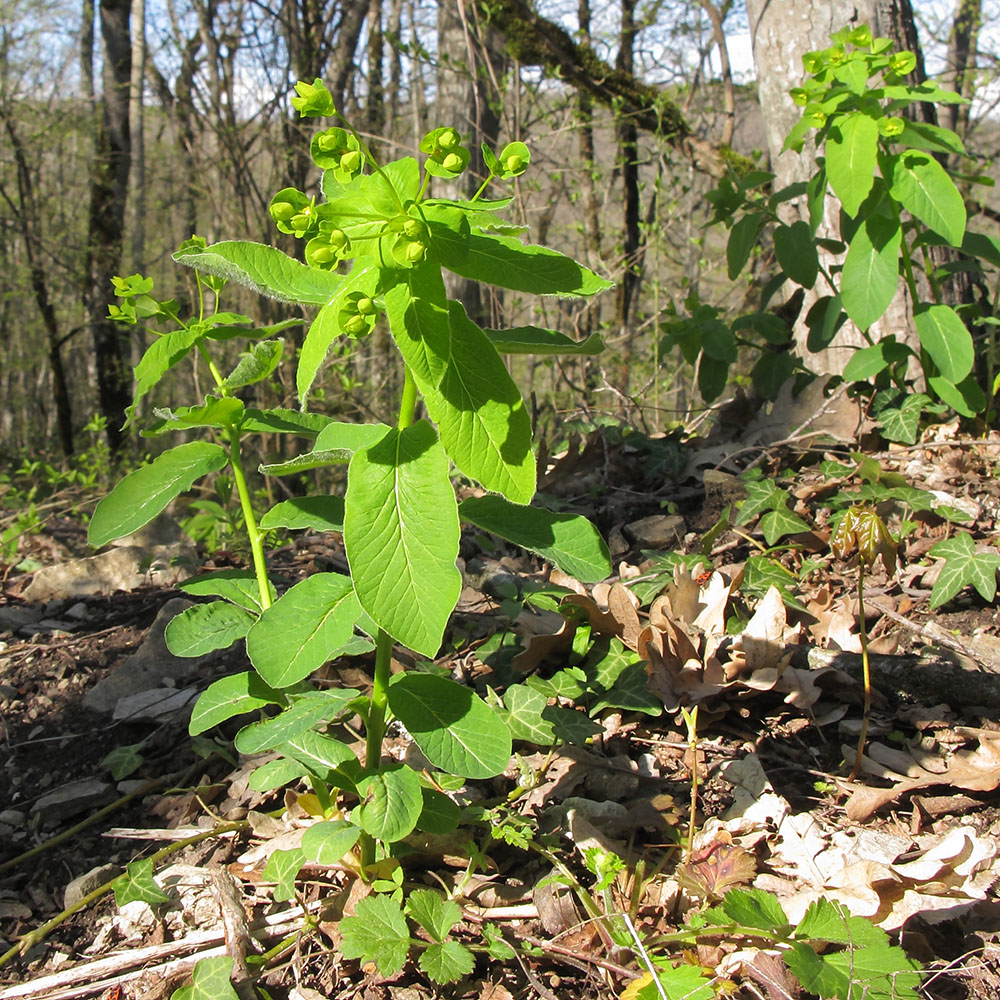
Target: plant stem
(862, 628)
(249, 520)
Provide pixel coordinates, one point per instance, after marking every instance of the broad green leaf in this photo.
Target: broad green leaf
(827, 921)
(675, 982)
(966, 398)
(123, 761)
(754, 908)
(265, 269)
(401, 533)
(569, 541)
(480, 415)
(209, 981)
(325, 328)
(874, 972)
(328, 759)
(926, 191)
(712, 377)
(796, 253)
(946, 339)
(433, 912)
(391, 803)
(439, 813)
(536, 340)
(901, 423)
(964, 566)
(446, 961)
(377, 933)
(456, 730)
(143, 494)
(922, 135)
(303, 629)
(229, 330)
(327, 843)
(321, 513)
(775, 524)
(742, 239)
(234, 695)
(983, 246)
(274, 774)
(138, 885)
(236, 585)
(284, 421)
(851, 156)
(867, 362)
(629, 692)
(771, 371)
(159, 358)
(200, 629)
(824, 319)
(301, 715)
(282, 867)
(349, 438)
(509, 263)
(217, 411)
(256, 364)
(417, 308)
(871, 270)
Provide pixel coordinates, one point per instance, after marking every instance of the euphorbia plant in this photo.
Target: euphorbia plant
(375, 244)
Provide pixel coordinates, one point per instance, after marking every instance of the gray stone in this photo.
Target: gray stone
(72, 799)
(125, 568)
(84, 885)
(146, 668)
(79, 612)
(660, 531)
(8, 693)
(13, 817)
(12, 619)
(155, 705)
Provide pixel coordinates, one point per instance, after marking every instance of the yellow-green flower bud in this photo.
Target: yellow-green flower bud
(366, 307)
(282, 211)
(452, 162)
(338, 238)
(413, 229)
(356, 326)
(448, 139)
(350, 161)
(415, 252)
(323, 255)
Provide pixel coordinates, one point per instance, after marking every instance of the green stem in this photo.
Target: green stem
(322, 795)
(482, 188)
(863, 630)
(249, 520)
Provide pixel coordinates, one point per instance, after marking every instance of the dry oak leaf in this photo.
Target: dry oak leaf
(973, 770)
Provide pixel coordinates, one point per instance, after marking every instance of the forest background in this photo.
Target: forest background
(129, 125)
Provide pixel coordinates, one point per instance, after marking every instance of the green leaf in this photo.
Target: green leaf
(321, 513)
(875, 972)
(256, 364)
(439, 813)
(143, 494)
(796, 253)
(831, 922)
(628, 692)
(871, 270)
(964, 566)
(480, 415)
(328, 759)
(901, 423)
(138, 885)
(762, 495)
(456, 730)
(200, 629)
(327, 843)
(277, 773)
(569, 541)
(536, 340)
(326, 327)
(525, 715)
(446, 961)
(234, 695)
(282, 867)
(349, 438)
(983, 246)
(867, 362)
(967, 398)
(209, 981)
(946, 339)
(433, 912)
(236, 585)
(265, 269)
(217, 411)
(742, 239)
(775, 524)
(417, 308)
(926, 191)
(754, 908)
(376, 933)
(771, 372)
(165, 352)
(851, 156)
(303, 629)
(123, 761)
(391, 803)
(401, 533)
(676, 982)
(509, 263)
(299, 717)
(284, 421)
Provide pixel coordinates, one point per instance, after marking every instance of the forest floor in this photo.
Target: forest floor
(913, 844)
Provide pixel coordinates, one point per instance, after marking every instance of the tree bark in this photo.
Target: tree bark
(108, 194)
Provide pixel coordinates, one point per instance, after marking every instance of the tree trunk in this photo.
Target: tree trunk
(108, 193)
(628, 155)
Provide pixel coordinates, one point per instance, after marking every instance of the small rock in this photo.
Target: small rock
(8, 693)
(71, 799)
(85, 884)
(12, 619)
(660, 531)
(155, 705)
(79, 612)
(13, 817)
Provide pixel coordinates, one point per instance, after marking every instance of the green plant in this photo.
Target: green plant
(399, 517)
(897, 203)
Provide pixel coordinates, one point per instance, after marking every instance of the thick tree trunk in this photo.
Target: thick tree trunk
(108, 193)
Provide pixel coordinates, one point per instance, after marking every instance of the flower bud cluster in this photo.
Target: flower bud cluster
(358, 315)
(446, 156)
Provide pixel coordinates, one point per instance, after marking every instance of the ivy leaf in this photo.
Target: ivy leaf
(143, 494)
(209, 981)
(282, 867)
(901, 423)
(964, 566)
(377, 933)
(775, 524)
(138, 885)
